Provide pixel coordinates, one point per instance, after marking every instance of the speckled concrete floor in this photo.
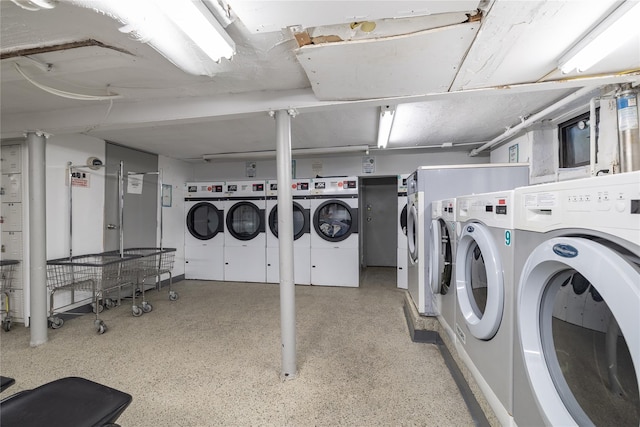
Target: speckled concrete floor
(212, 358)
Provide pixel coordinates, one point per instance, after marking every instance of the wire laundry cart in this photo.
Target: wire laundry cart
(150, 262)
(96, 273)
(7, 268)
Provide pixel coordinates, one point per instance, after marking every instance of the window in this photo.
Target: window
(574, 137)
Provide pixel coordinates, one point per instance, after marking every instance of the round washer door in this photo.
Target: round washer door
(335, 220)
(205, 221)
(245, 221)
(300, 221)
(582, 363)
(412, 232)
(442, 257)
(403, 219)
(479, 281)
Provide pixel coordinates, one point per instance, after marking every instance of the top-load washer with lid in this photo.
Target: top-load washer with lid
(204, 233)
(577, 340)
(244, 233)
(300, 191)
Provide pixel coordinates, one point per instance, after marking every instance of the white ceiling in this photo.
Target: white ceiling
(454, 81)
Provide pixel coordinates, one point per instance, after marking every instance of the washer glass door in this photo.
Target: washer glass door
(479, 281)
(334, 220)
(441, 259)
(245, 221)
(412, 233)
(585, 332)
(300, 221)
(204, 221)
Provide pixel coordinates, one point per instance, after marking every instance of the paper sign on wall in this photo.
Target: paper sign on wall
(368, 165)
(81, 179)
(134, 183)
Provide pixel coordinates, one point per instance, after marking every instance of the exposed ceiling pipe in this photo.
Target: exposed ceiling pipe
(533, 119)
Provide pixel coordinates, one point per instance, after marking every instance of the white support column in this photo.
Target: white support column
(36, 144)
(285, 239)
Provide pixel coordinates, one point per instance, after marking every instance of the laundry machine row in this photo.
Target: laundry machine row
(431, 183)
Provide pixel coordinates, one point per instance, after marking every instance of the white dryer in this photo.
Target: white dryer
(204, 237)
(484, 293)
(577, 340)
(443, 251)
(335, 244)
(429, 183)
(300, 191)
(244, 233)
(402, 259)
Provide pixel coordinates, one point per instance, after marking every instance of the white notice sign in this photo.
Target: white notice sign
(134, 183)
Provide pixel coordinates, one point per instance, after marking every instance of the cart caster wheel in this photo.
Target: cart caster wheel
(147, 307)
(136, 311)
(100, 308)
(6, 325)
(56, 322)
(173, 296)
(101, 327)
(108, 303)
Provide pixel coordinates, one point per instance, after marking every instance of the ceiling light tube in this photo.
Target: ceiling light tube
(603, 39)
(183, 31)
(387, 114)
(298, 152)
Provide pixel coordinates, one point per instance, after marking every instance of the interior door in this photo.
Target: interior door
(380, 210)
(140, 201)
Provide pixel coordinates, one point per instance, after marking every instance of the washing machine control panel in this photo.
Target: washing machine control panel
(245, 189)
(335, 186)
(493, 209)
(609, 203)
(205, 189)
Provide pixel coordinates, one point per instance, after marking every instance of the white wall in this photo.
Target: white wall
(175, 173)
(88, 203)
(344, 165)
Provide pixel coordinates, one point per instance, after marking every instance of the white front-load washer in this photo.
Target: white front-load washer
(204, 232)
(335, 244)
(402, 259)
(577, 340)
(443, 251)
(484, 294)
(300, 192)
(244, 233)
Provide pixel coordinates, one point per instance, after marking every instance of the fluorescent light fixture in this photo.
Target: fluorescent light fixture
(387, 114)
(183, 31)
(608, 35)
(298, 152)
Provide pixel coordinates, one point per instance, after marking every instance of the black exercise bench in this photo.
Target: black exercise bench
(67, 402)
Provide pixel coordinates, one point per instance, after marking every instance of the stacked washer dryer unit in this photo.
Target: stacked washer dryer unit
(335, 244)
(484, 292)
(577, 340)
(244, 234)
(204, 237)
(402, 232)
(443, 251)
(300, 191)
(431, 183)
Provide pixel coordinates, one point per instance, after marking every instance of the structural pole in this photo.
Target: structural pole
(36, 145)
(285, 239)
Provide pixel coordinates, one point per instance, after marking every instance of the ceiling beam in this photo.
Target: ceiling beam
(159, 112)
